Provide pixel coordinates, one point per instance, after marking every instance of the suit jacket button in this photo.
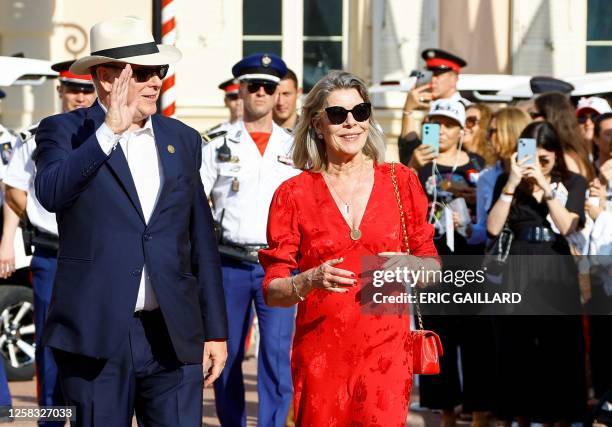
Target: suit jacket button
(136, 273)
(148, 237)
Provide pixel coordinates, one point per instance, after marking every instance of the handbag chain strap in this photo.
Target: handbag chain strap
(405, 238)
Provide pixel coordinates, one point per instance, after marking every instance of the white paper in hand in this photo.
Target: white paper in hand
(449, 228)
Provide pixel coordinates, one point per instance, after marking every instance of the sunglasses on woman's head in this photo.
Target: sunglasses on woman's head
(337, 115)
(254, 85)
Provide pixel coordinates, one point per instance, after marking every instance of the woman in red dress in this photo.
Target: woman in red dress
(349, 367)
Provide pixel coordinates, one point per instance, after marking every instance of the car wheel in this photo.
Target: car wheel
(17, 346)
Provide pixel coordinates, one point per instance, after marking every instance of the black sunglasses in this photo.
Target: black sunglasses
(143, 74)
(490, 132)
(337, 115)
(232, 96)
(254, 85)
(535, 115)
(582, 119)
(471, 121)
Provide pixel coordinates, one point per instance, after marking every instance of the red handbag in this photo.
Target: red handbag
(426, 345)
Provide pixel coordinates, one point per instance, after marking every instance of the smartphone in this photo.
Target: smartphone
(527, 148)
(423, 77)
(430, 135)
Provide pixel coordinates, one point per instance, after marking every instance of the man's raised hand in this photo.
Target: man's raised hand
(120, 115)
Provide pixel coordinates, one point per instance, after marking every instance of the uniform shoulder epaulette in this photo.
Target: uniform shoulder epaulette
(207, 137)
(29, 132)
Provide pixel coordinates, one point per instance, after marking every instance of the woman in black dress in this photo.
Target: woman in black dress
(542, 367)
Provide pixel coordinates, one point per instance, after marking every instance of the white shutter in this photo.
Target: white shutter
(400, 31)
(548, 37)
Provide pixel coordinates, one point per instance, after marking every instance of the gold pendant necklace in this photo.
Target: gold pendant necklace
(355, 233)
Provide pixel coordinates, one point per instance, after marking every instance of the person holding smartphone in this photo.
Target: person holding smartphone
(542, 358)
(452, 174)
(444, 68)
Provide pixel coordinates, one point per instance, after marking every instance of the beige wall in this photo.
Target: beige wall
(384, 40)
(479, 32)
(57, 30)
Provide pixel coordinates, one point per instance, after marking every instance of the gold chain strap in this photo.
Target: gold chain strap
(405, 237)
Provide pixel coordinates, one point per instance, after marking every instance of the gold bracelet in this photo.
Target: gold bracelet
(297, 294)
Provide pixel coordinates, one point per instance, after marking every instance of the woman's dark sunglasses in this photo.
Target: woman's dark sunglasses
(254, 85)
(490, 132)
(471, 121)
(582, 119)
(143, 74)
(337, 115)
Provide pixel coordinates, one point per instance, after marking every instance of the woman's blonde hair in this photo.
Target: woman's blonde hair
(309, 151)
(509, 122)
(481, 145)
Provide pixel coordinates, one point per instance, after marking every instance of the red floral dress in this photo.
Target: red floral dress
(349, 368)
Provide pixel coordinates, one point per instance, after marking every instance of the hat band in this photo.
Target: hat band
(128, 51)
(442, 63)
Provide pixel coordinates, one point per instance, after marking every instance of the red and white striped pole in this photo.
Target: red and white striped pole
(168, 32)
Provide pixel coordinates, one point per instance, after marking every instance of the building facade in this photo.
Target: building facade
(375, 39)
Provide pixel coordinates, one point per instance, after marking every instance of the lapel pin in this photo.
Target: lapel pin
(171, 149)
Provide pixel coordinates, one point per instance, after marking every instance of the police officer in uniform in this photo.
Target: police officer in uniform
(445, 68)
(240, 171)
(8, 140)
(233, 103)
(75, 91)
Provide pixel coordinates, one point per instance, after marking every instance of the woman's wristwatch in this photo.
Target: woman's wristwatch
(549, 196)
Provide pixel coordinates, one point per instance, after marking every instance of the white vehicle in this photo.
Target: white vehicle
(504, 88)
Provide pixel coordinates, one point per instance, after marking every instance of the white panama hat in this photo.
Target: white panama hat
(126, 40)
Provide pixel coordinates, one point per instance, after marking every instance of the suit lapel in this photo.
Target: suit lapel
(168, 156)
(118, 164)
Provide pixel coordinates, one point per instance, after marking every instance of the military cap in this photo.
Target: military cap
(260, 66)
(66, 78)
(230, 86)
(542, 84)
(441, 60)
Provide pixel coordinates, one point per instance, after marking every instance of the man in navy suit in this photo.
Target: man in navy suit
(137, 306)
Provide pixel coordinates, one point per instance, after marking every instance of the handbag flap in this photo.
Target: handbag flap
(436, 338)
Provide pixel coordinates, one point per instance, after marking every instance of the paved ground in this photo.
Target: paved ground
(24, 394)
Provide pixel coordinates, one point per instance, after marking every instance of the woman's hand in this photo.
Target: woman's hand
(533, 171)
(403, 261)
(517, 171)
(330, 278)
(606, 171)
(596, 189)
(592, 210)
(422, 155)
